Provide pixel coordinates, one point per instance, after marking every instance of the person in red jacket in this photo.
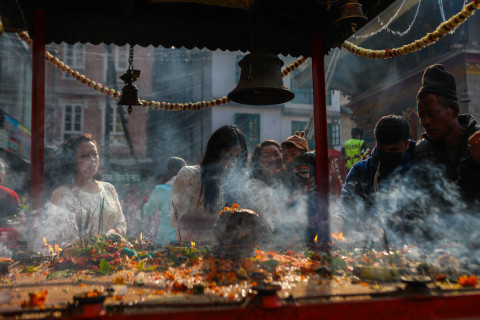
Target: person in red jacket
(8, 198)
(9, 207)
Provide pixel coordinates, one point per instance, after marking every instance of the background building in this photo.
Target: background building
(197, 75)
(379, 87)
(135, 146)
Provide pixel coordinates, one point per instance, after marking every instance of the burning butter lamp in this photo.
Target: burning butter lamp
(130, 92)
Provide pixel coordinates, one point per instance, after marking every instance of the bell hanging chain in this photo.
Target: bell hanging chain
(130, 59)
(130, 69)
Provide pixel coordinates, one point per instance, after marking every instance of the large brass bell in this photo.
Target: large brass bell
(261, 81)
(351, 14)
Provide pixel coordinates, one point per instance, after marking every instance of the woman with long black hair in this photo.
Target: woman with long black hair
(201, 191)
(82, 198)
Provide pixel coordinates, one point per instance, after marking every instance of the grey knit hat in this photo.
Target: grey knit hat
(436, 79)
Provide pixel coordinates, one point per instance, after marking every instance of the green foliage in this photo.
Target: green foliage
(105, 267)
(338, 263)
(309, 254)
(30, 269)
(269, 264)
(140, 266)
(24, 205)
(152, 268)
(60, 274)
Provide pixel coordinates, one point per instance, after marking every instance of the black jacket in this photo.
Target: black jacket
(467, 174)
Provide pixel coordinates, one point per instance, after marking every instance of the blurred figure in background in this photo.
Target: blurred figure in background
(52, 179)
(159, 202)
(83, 196)
(132, 203)
(303, 172)
(264, 175)
(338, 172)
(9, 200)
(200, 192)
(353, 148)
(9, 207)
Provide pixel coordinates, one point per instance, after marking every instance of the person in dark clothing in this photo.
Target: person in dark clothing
(442, 186)
(391, 158)
(451, 141)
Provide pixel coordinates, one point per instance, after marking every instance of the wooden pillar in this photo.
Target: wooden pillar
(37, 150)
(321, 132)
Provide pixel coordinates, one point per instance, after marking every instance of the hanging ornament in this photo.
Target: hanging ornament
(130, 92)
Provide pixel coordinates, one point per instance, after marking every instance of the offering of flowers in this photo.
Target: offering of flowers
(97, 253)
(130, 271)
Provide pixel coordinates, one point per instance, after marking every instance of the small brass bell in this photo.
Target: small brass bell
(351, 14)
(130, 92)
(261, 81)
(130, 97)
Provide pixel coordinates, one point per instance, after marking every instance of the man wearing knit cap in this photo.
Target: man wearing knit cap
(451, 141)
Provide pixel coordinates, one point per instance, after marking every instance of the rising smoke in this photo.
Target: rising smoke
(423, 211)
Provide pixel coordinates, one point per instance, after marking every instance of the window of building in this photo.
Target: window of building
(73, 120)
(333, 134)
(74, 57)
(329, 97)
(299, 126)
(302, 95)
(249, 124)
(305, 95)
(121, 57)
(117, 136)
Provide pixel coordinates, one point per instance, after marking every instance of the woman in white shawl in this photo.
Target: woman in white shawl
(83, 204)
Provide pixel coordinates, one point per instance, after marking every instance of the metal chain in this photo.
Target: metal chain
(130, 59)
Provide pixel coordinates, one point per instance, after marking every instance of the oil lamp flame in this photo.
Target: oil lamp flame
(339, 236)
(50, 249)
(315, 239)
(192, 244)
(141, 237)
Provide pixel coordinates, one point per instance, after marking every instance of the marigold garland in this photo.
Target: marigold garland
(443, 29)
(167, 106)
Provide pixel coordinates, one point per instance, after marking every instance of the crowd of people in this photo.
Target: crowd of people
(415, 189)
(278, 181)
